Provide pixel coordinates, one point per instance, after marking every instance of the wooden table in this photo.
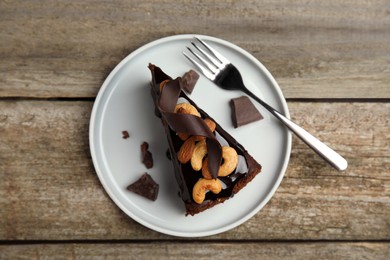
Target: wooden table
(331, 59)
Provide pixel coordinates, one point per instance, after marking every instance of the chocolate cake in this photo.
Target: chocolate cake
(210, 165)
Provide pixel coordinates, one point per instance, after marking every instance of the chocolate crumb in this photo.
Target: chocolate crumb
(145, 186)
(147, 157)
(125, 134)
(243, 111)
(188, 81)
(168, 154)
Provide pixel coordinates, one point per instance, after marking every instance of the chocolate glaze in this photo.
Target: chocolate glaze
(173, 123)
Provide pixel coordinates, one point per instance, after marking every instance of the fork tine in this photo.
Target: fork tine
(205, 62)
(218, 55)
(204, 70)
(214, 61)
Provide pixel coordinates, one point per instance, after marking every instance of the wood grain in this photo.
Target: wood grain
(49, 189)
(314, 49)
(172, 250)
(55, 55)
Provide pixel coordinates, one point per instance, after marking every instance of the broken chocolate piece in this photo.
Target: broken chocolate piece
(189, 80)
(125, 134)
(145, 186)
(147, 157)
(243, 111)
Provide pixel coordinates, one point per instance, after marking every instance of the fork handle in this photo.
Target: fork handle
(329, 155)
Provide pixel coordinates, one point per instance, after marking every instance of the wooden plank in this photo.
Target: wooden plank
(49, 189)
(338, 49)
(186, 250)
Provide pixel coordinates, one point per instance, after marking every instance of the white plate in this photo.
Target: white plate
(124, 103)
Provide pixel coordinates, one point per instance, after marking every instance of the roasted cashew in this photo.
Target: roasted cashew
(230, 162)
(183, 136)
(185, 108)
(211, 124)
(197, 156)
(202, 186)
(162, 84)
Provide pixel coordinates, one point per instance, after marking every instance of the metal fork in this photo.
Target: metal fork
(224, 74)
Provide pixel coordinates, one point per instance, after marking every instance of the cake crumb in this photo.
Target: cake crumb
(125, 134)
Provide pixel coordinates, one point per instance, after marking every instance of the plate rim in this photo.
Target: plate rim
(99, 171)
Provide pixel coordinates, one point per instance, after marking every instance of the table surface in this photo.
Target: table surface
(330, 58)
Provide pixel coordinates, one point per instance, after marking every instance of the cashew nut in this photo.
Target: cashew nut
(202, 186)
(211, 124)
(197, 156)
(183, 136)
(230, 162)
(186, 108)
(163, 83)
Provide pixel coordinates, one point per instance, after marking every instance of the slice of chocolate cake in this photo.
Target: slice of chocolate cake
(210, 165)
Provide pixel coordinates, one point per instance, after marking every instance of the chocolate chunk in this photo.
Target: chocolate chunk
(147, 157)
(243, 111)
(189, 80)
(125, 134)
(145, 186)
